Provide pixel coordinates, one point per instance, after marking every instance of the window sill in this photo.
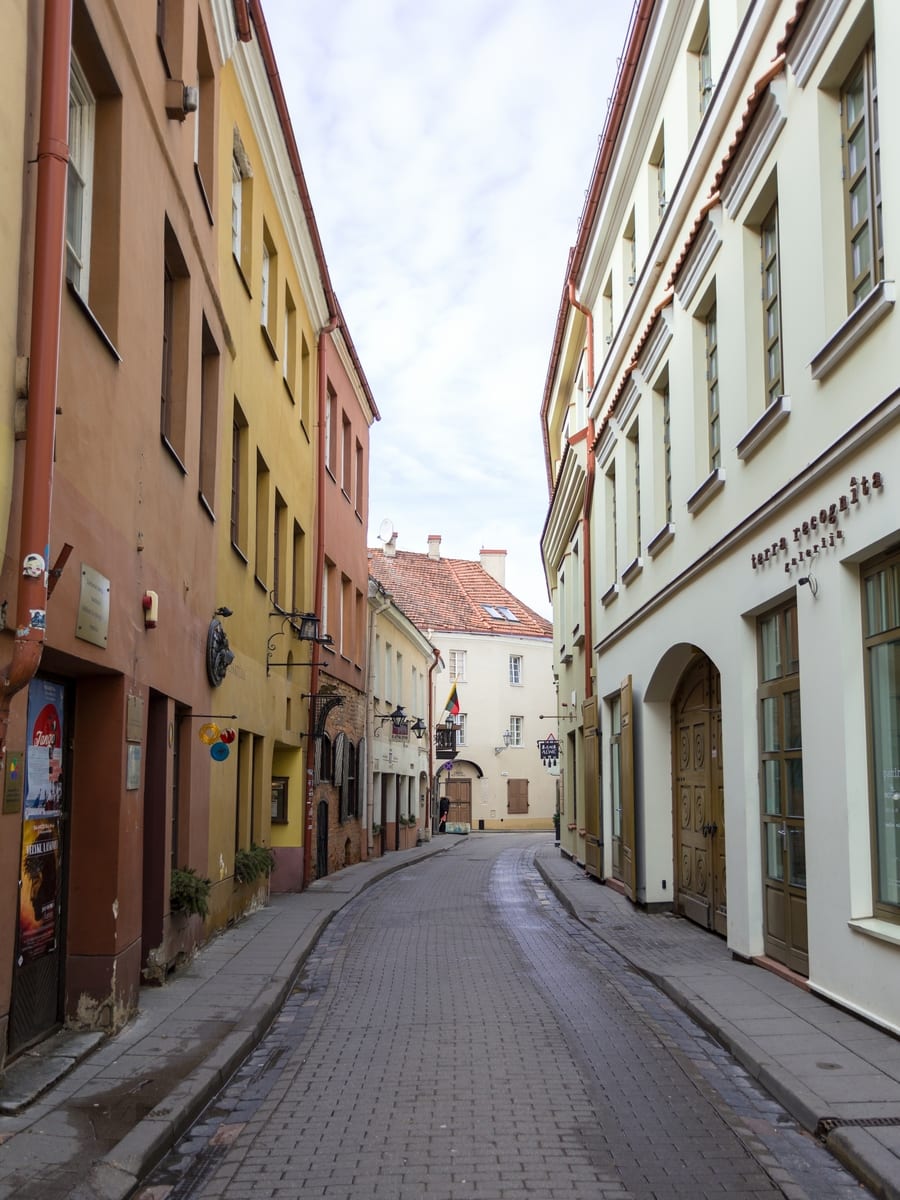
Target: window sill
(609, 595)
(267, 338)
(240, 271)
(204, 195)
(240, 553)
(660, 540)
(173, 453)
(632, 571)
(289, 390)
(711, 486)
(876, 306)
(762, 429)
(260, 583)
(98, 328)
(875, 927)
(206, 506)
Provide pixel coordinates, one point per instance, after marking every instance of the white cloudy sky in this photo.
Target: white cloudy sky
(447, 145)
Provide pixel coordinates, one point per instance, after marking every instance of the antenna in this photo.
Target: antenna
(386, 530)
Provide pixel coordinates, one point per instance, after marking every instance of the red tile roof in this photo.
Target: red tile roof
(449, 595)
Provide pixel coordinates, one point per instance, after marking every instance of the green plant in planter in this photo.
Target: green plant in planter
(189, 892)
(376, 829)
(253, 864)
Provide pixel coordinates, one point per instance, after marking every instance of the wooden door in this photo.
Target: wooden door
(699, 797)
(593, 837)
(459, 793)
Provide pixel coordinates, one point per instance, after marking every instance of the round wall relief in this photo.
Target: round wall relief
(219, 656)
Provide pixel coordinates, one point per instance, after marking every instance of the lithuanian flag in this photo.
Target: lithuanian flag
(452, 705)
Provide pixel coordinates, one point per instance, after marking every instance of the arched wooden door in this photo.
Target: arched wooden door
(699, 797)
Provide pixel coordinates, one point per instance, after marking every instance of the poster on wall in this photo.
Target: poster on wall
(39, 898)
(44, 750)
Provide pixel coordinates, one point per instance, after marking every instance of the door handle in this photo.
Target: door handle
(709, 828)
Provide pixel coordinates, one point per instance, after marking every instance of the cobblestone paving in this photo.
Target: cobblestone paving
(455, 1035)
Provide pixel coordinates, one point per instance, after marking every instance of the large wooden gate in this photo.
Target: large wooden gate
(459, 793)
(699, 808)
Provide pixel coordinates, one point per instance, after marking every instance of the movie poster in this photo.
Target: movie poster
(39, 897)
(41, 872)
(44, 750)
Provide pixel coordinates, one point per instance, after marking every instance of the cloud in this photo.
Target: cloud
(447, 147)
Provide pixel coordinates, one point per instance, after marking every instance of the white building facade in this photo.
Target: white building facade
(722, 420)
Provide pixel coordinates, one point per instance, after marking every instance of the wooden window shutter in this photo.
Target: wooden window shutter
(517, 796)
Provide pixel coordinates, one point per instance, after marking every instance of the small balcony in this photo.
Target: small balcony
(445, 741)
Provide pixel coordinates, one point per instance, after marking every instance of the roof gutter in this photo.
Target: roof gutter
(49, 251)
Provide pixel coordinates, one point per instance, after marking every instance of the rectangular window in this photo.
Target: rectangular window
(881, 594)
(237, 208)
(241, 205)
(80, 181)
(461, 720)
(771, 302)
(658, 197)
(346, 456)
(347, 617)
(305, 382)
(634, 442)
(665, 425)
(612, 526)
(515, 669)
(263, 502)
(360, 494)
(629, 257)
(330, 431)
(176, 323)
(204, 121)
(209, 417)
(279, 531)
(704, 71)
(298, 578)
(712, 389)
(268, 308)
(289, 349)
(238, 459)
(280, 799)
(457, 664)
(862, 177)
(516, 731)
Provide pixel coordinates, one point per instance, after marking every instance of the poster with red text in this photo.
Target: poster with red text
(44, 749)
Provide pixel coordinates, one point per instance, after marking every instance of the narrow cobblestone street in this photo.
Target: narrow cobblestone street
(456, 1034)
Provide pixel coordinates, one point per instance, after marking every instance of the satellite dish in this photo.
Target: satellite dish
(386, 530)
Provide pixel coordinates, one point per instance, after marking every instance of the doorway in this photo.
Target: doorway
(322, 840)
(459, 793)
(699, 797)
(39, 964)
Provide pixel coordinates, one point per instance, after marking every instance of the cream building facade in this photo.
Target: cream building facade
(723, 541)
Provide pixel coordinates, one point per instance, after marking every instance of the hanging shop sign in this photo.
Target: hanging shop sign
(820, 531)
(548, 748)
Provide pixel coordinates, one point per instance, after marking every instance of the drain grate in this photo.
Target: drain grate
(829, 1124)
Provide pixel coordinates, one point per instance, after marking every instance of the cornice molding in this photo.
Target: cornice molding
(700, 257)
(808, 44)
(743, 171)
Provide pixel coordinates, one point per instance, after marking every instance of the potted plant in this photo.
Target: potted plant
(189, 892)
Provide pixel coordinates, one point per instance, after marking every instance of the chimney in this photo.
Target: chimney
(494, 562)
(434, 545)
(390, 547)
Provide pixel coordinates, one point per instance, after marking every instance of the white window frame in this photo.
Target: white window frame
(264, 301)
(516, 729)
(461, 720)
(80, 181)
(516, 662)
(456, 661)
(237, 206)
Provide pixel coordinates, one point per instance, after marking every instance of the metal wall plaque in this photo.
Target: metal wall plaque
(134, 718)
(92, 624)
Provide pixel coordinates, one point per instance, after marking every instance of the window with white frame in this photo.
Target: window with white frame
(516, 731)
(712, 388)
(456, 661)
(634, 446)
(771, 302)
(79, 184)
(862, 177)
(461, 720)
(515, 669)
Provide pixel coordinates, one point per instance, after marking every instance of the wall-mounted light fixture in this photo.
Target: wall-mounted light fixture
(400, 720)
(507, 738)
(303, 625)
(809, 580)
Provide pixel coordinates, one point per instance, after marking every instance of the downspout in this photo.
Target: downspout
(431, 669)
(319, 576)
(49, 243)
(591, 466)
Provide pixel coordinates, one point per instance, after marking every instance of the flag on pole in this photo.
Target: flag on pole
(452, 705)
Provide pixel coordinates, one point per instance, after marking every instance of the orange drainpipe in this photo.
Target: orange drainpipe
(49, 250)
(588, 498)
(319, 578)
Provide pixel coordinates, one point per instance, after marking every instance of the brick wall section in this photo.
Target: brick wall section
(346, 840)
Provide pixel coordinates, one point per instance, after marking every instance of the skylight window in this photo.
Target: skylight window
(500, 612)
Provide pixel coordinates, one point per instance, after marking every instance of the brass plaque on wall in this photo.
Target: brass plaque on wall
(92, 624)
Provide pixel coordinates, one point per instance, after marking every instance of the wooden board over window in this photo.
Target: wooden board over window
(517, 797)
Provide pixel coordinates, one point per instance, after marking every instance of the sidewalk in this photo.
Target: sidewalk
(114, 1106)
(838, 1076)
